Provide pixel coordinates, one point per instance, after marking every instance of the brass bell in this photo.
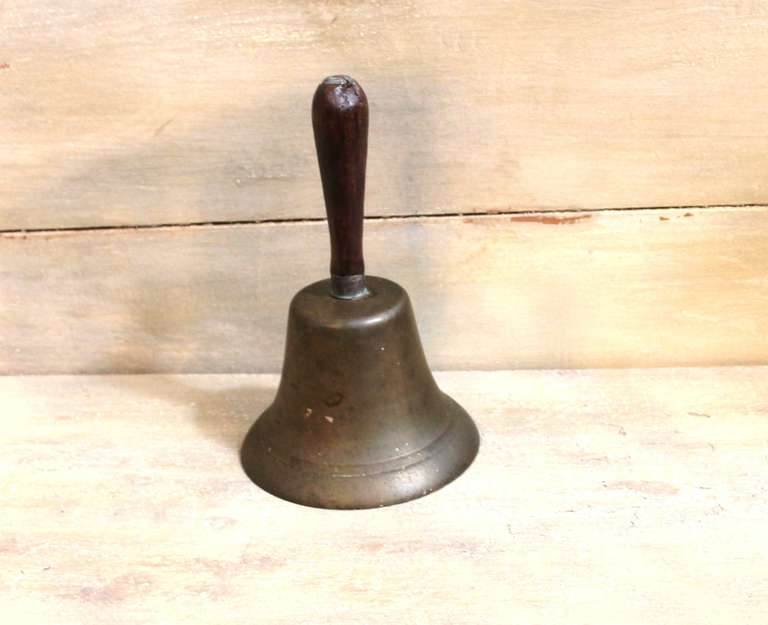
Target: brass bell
(358, 420)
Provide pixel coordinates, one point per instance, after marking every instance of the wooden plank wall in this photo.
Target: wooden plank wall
(557, 184)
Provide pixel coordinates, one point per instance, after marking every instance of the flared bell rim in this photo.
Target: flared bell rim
(353, 487)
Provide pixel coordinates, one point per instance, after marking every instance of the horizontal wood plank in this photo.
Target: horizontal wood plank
(601, 289)
(601, 497)
(188, 112)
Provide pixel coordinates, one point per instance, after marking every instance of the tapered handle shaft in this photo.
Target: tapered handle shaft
(340, 122)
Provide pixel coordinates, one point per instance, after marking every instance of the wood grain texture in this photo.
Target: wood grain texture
(604, 289)
(599, 497)
(195, 111)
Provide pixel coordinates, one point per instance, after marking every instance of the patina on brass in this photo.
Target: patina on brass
(358, 420)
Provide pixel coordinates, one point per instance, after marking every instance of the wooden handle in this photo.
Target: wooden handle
(340, 121)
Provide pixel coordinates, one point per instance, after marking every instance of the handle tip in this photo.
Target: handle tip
(340, 92)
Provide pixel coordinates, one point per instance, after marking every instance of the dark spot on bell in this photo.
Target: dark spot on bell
(334, 400)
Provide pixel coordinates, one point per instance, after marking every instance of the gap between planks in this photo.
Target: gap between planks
(13, 232)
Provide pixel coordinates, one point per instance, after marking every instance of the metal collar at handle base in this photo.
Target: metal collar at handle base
(348, 287)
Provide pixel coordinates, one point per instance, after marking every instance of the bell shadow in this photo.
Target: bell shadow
(221, 407)
(223, 416)
(226, 416)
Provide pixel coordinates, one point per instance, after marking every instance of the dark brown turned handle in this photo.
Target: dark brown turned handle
(340, 121)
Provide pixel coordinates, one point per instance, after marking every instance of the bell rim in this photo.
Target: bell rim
(447, 457)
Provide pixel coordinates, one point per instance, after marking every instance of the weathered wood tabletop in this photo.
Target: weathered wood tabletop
(611, 496)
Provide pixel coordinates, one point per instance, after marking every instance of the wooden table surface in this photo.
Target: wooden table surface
(610, 496)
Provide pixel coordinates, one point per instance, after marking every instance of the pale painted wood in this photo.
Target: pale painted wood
(194, 111)
(624, 288)
(600, 497)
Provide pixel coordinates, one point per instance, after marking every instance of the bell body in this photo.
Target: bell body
(358, 420)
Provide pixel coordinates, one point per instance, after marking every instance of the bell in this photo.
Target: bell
(358, 420)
